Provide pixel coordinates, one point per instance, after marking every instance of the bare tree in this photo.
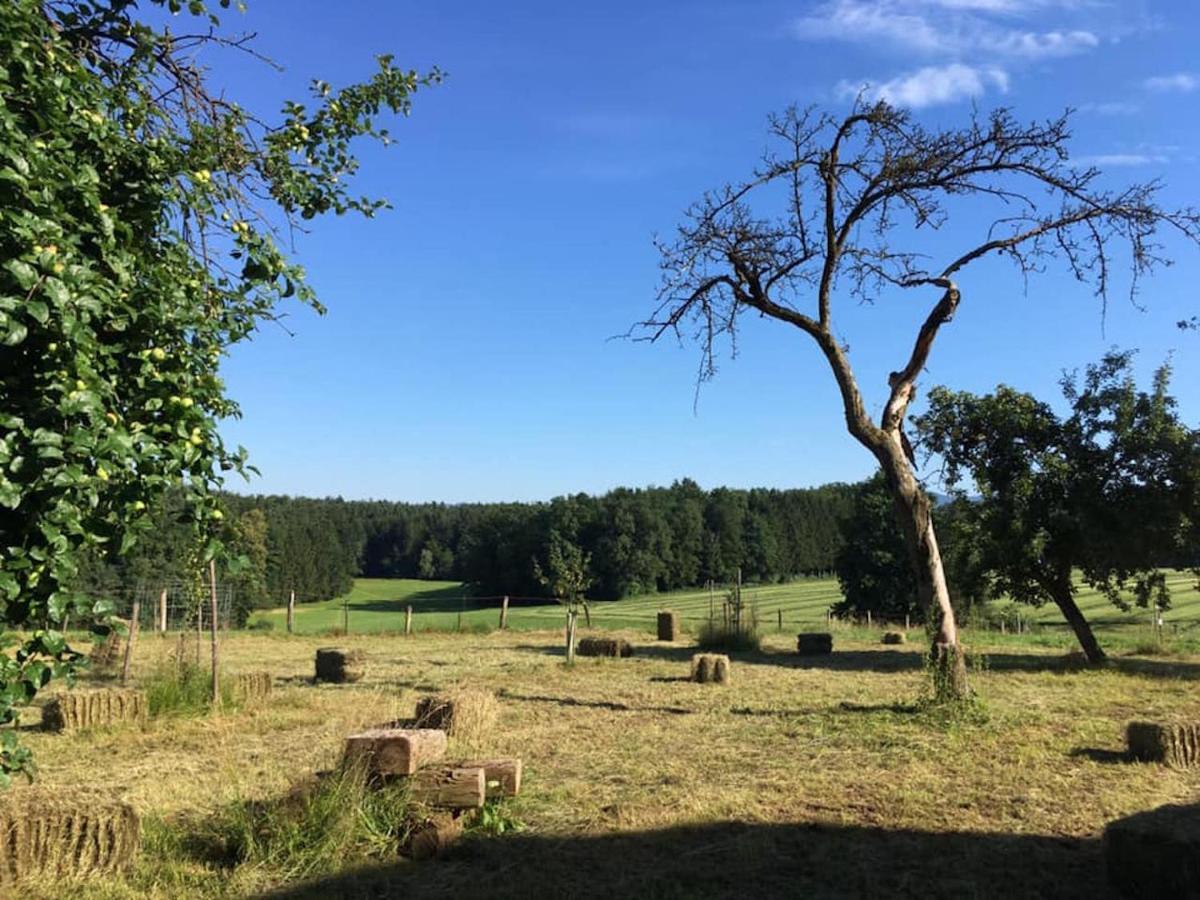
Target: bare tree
(848, 188)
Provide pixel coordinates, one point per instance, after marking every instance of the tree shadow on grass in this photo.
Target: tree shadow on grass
(613, 705)
(734, 859)
(446, 600)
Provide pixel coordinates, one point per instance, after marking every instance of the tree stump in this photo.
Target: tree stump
(449, 787)
(339, 666)
(814, 643)
(895, 637)
(598, 646)
(395, 751)
(434, 836)
(1155, 853)
(668, 626)
(1174, 744)
(501, 777)
(710, 668)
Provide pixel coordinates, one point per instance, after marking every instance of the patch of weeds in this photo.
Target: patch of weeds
(942, 702)
(178, 686)
(730, 638)
(495, 818)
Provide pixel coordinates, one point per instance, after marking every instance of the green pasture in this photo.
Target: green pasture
(378, 605)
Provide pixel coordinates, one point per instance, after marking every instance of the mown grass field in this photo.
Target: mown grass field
(378, 605)
(804, 777)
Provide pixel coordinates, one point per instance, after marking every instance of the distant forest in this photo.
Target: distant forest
(639, 540)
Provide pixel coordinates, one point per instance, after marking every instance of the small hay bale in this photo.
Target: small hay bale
(668, 625)
(1175, 744)
(252, 685)
(710, 668)
(78, 710)
(598, 646)
(465, 713)
(339, 666)
(895, 637)
(49, 836)
(1155, 853)
(814, 643)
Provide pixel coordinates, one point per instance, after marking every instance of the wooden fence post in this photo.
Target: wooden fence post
(346, 615)
(906, 619)
(780, 611)
(162, 611)
(571, 616)
(504, 613)
(408, 620)
(291, 617)
(869, 618)
(130, 640)
(216, 672)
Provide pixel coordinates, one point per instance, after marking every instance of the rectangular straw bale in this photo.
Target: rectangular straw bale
(814, 643)
(464, 712)
(339, 666)
(668, 625)
(252, 685)
(77, 710)
(604, 646)
(44, 835)
(1175, 743)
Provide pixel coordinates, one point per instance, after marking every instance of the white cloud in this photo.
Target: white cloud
(1182, 82)
(1111, 108)
(931, 86)
(1104, 160)
(942, 27)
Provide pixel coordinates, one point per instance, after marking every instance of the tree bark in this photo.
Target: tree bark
(1064, 598)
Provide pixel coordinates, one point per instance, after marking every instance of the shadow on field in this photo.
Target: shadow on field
(733, 859)
(593, 704)
(445, 600)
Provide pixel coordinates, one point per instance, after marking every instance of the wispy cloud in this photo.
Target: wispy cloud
(977, 43)
(930, 86)
(1111, 108)
(957, 27)
(1107, 160)
(1180, 82)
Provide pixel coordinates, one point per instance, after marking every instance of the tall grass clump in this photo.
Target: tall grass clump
(181, 687)
(736, 629)
(322, 825)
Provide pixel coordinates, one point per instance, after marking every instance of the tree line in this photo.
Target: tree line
(637, 540)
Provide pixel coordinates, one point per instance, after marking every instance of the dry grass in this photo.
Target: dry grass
(831, 743)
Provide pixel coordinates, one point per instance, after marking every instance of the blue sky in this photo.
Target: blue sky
(467, 352)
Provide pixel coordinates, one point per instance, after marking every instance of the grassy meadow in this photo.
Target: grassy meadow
(377, 605)
(805, 776)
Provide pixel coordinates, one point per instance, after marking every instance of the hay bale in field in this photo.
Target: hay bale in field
(252, 685)
(43, 835)
(464, 713)
(77, 710)
(598, 646)
(1155, 853)
(814, 643)
(668, 625)
(339, 666)
(710, 668)
(895, 637)
(1174, 743)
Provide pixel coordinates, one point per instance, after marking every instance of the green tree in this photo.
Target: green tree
(566, 575)
(827, 218)
(131, 258)
(1109, 491)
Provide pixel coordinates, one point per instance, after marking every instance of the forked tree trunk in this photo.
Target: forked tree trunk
(914, 513)
(1064, 599)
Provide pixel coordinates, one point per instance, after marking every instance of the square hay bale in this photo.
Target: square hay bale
(710, 668)
(395, 751)
(464, 713)
(339, 666)
(252, 685)
(668, 625)
(814, 643)
(45, 835)
(1155, 853)
(604, 646)
(1174, 743)
(77, 710)
(895, 637)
